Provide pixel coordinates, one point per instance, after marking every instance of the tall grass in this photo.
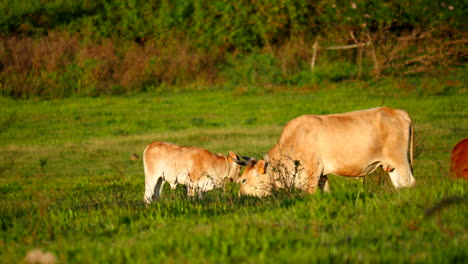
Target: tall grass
(58, 65)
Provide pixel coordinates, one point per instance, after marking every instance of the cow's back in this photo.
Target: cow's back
(459, 160)
(345, 141)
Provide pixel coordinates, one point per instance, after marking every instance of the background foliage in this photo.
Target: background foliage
(62, 48)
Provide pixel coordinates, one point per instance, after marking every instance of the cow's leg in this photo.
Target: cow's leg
(153, 189)
(313, 182)
(314, 170)
(324, 183)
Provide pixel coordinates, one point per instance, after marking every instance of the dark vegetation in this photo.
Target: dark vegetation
(62, 48)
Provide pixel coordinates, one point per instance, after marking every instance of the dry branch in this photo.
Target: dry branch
(352, 46)
(422, 53)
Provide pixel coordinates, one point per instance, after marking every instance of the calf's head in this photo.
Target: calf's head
(255, 180)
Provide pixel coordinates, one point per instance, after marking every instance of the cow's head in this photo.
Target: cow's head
(255, 180)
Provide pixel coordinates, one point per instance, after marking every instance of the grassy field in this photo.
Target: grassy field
(68, 184)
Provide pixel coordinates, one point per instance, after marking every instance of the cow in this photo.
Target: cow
(351, 144)
(198, 169)
(459, 160)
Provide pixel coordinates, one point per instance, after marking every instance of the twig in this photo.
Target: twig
(374, 57)
(352, 46)
(314, 56)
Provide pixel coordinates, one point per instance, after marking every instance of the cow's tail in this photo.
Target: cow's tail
(411, 145)
(407, 117)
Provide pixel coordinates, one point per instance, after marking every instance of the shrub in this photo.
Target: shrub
(62, 48)
(252, 69)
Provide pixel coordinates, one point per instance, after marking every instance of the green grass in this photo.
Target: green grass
(68, 185)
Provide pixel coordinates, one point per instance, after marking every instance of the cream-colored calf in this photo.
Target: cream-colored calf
(198, 169)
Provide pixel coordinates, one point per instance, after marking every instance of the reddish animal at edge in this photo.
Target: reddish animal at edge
(459, 160)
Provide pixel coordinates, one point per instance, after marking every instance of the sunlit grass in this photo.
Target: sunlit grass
(68, 183)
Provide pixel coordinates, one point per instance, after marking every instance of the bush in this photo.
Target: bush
(252, 69)
(63, 48)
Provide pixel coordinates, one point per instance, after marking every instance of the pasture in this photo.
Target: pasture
(69, 185)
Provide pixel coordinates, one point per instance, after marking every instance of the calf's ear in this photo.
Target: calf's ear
(233, 155)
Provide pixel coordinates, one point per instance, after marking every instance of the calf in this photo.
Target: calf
(196, 168)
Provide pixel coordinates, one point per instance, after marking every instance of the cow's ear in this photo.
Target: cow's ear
(262, 166)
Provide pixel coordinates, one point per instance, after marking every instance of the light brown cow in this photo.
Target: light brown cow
(352, 144)
(198, 169)
(459, 160)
